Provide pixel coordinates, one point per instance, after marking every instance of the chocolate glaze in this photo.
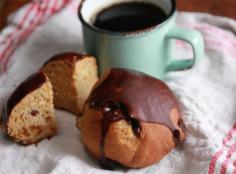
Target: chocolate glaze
(70, 57)
(111, 113)
(145, 98)
(134, 97)
(30, 84)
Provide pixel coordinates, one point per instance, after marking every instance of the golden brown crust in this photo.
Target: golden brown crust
(156, 142)
(123, 146)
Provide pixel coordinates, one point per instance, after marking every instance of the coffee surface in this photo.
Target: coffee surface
(131, 16)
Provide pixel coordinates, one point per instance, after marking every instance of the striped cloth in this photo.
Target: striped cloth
(219, 36)
(23, 24)
(220, 40)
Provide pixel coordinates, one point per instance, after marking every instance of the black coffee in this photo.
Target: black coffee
(132, 16)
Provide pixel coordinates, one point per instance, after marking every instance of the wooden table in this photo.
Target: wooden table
(216, 7)
(8, 6)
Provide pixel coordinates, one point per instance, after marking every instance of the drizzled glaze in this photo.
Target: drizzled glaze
(134, 97)
(113, 112)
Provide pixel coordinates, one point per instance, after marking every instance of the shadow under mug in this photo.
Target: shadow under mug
(149, 50)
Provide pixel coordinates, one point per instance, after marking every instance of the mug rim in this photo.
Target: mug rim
(129, 33)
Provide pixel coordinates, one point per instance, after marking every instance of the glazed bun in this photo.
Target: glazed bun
(130, 118)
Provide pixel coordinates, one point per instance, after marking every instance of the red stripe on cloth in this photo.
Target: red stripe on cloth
(227, 160)
(10, 48)
(215, 38)
(39, 15)
(216, 156)
(54, 7)
(230, 134)
(22, 20)
(16, 40)
(14, 34)
(234, 172)
(214, 44)
(211, 169)
(219, 45)
(219, 41)
(9, 38)
(43, 14)
(211, 30)
(41, 9)
(26, 15)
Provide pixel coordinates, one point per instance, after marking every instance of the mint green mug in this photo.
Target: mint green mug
(148, 50)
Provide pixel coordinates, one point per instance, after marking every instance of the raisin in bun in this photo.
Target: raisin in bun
(28, 114)
(130, 118)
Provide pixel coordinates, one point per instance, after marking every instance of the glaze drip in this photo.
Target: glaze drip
(113, 112)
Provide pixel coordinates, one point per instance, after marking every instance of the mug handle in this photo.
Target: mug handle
(195, 39)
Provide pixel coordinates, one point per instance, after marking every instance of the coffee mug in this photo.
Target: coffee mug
(148, 50)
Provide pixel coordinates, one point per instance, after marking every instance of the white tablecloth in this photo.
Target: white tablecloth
(206, 93)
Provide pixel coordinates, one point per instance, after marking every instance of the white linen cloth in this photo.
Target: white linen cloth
(206, 94)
